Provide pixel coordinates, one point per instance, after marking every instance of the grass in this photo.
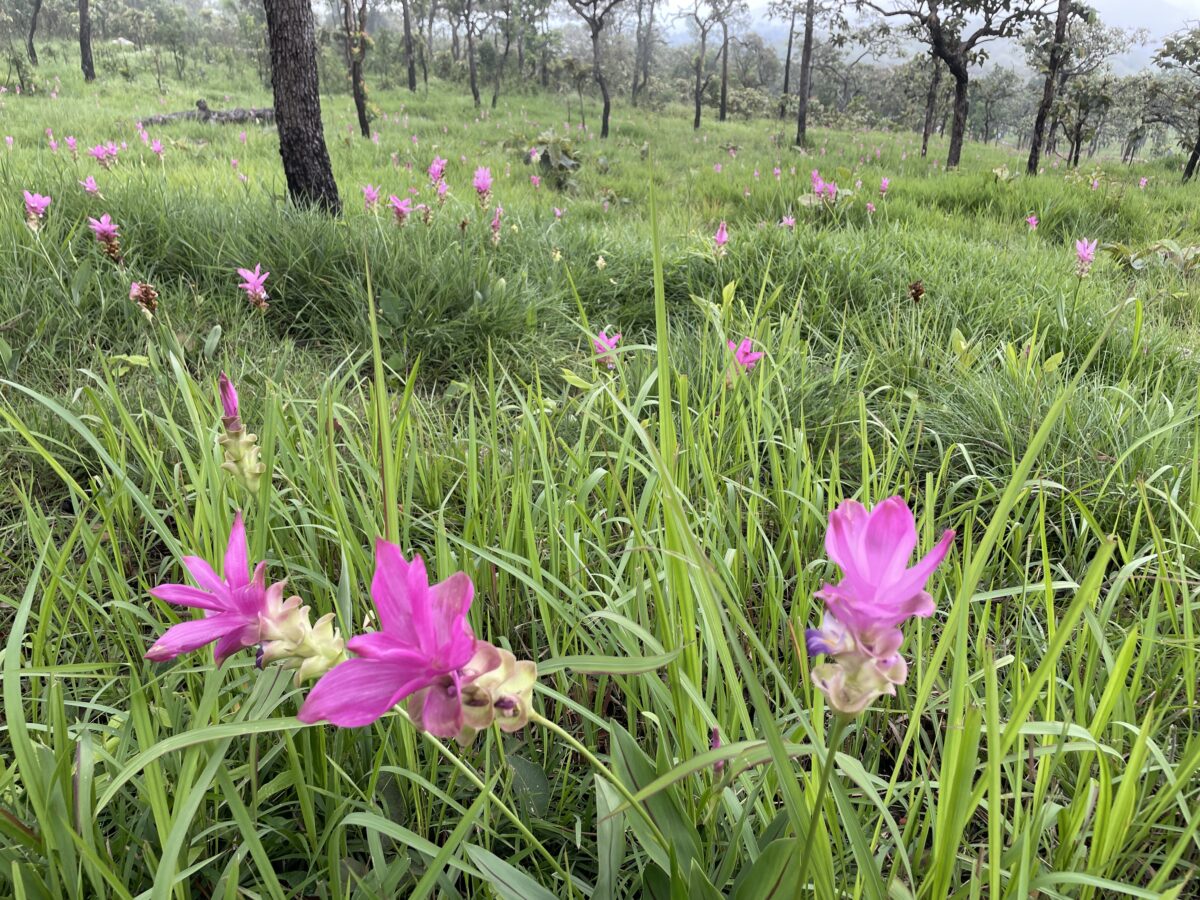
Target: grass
(651, 535)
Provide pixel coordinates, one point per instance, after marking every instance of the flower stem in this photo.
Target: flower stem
(603, 770)
(836, 730)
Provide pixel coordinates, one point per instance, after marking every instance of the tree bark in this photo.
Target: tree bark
(33, 17)
(85, 42)
(699, 87)
(298, 105)
(598, 72)
(408, 46)
(805, 74)
(724, 110)
(1190, 169)
(1043, 113)
(503, 61)
(959, 126)
(787, 65)
(472, 68)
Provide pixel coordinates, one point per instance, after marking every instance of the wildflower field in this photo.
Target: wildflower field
(712, 519)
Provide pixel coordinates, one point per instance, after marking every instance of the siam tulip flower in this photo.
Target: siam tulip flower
(233, 163)
(744, 354)
(1086, 254)
(558, 213)
(483, 185)
(240, 451)
(829, 190)
(107, 236)
(777, 172)
(788, 222)
(717, 168)
(424, 635)
(242, 136)
(536, 181)
(72, 145)
(870, 208)
(145, 296)
(605, 344)
(400, 208)
(1095, 183)
(858, 185)
(714, 743)
(721, 238)
(1032, 222)
(1142, 182)
(437, 169)
(8, 140)
(35, 209)
(818, 183)
(496, 225)
(884, 184)
(156, 147)
(877, 594)
(253, 286)
(53, 145)
(370, 196)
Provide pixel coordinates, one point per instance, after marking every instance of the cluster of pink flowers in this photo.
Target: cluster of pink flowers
(107, 235)
(877, 594)
(370, 197)
(105, 154)
(35, 209)
(1085, 253)
(745, 357)
(1032, 222)
(827, 190)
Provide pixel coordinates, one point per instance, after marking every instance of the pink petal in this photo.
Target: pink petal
(188, 636)
(442, 714)
(243, 638)
(186, 595)
(204, 575)
(912, 581)
(237, 565)
(391, 588)
(842, 539)
(887, 543)
(449, 601)
(359, 691)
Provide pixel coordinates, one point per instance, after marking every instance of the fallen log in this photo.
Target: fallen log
(202, 113)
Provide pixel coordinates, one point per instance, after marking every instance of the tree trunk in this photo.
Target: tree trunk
(472, 70)
(598, 72)
(724, 110)
(639, 37)
(408, 47)
(354, 23)
(1056, 48)
(649, 49)
(787, 65)
(699, 87)
(810, 12)
(1190, 169)
(298, 105)
(502, 66)
(33, 17)
(85, 42)
(958, 128)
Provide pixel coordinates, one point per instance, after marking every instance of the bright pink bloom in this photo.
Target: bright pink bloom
(535, 180)
(1086, 253)
(883, 187)
(234, 606)
(89, 185)
(605, 344)
(104, 228)
(1142, 182)
(437, 169)
(424, 636)
(370, 196)
(36, 205)
(400, 208)
(483, 180)
(229, 398)
(870, 208)
(744, 354)
(788, 222)
(156, 148)
(1032, 222)
(721, 238)
(253, 284)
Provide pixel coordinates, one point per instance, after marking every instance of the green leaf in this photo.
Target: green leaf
(509, 882)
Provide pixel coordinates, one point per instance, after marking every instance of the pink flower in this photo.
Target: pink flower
(558, 213)
(400, 208)
(605, 344)
(53, 145)
(36, 206)
(788, 222)
(496, 224)
(424, 636)
(721, 238)
(442, 188)
(72, 144)
(877, 593)
(437, 169)
(483, 181)
(1032, 222)
(1086, 254)
(717, 168)
(536, 181)
(1142, 182)
(1095, 183)
(253, 285)
(870, 208)
(242, 136)
(745, 355)
(370, 196)
(229, 400)
(234, 163)
(818, 183)
(235, 606)
(777, 172)
(883, 187)
(8, 139)
(156, 148)
(104, 228)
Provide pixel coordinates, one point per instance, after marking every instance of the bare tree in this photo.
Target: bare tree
(806, 52)
(409, 58)
(789, 9)
(354, 37)
(34, 12)
(935, 81)
(1043, 113)
(644, 42)
(595, 15)
(291, 36)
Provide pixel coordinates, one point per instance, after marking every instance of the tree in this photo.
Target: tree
(806, 52)
(33, 20)
(293, 44)
(354, 37)
(727, 11)
(1055, 61)
(954, 31)
(409, 57)
(1180, 54)
(85, 42)
(644, 41)
(704, 15)
(595, 15)
(1085, 100)
(788, 9)
(995, 108)
(931, 103)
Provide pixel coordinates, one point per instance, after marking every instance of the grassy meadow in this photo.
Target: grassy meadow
(651, 534)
